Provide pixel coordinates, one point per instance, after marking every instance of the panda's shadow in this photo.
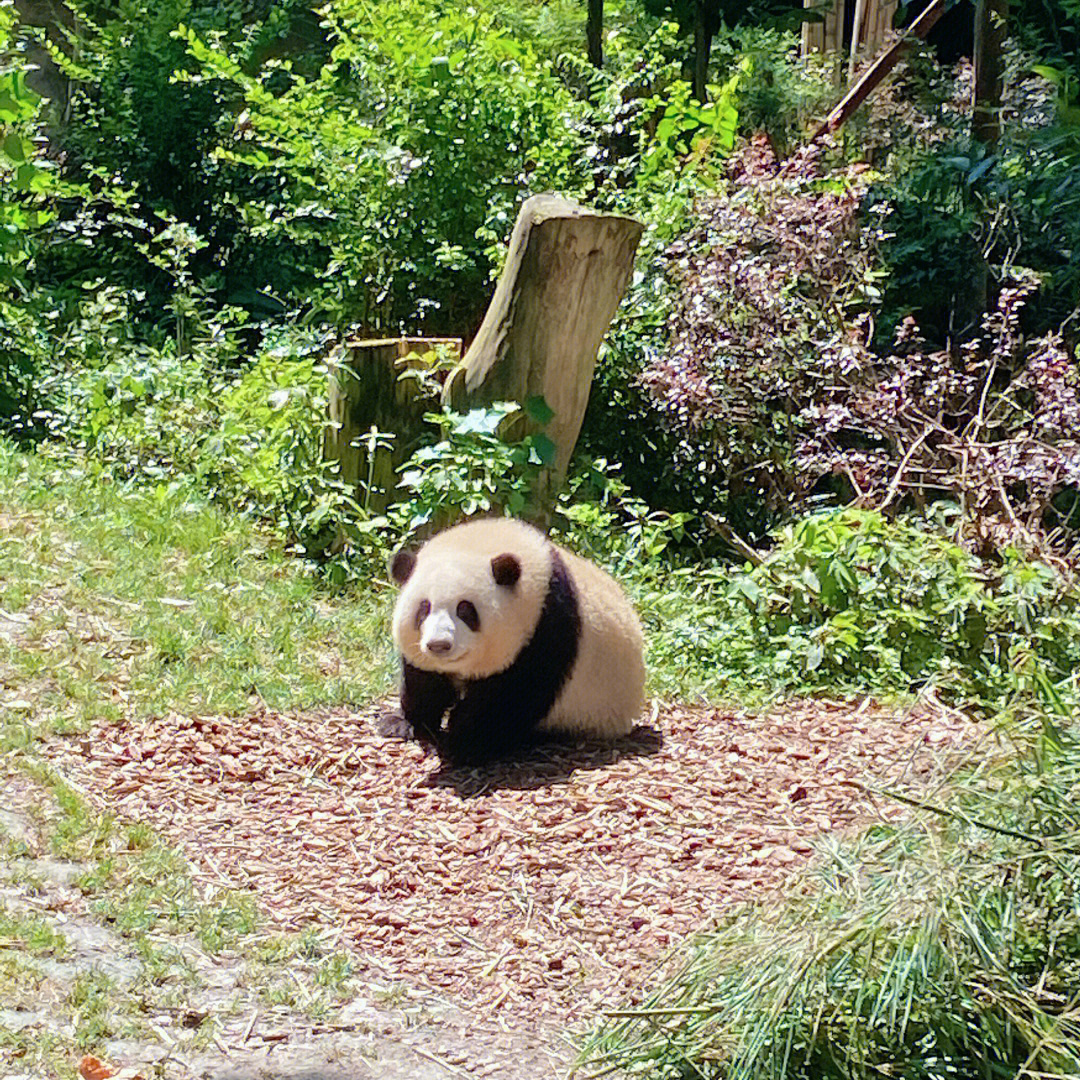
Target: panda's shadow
(546, 764)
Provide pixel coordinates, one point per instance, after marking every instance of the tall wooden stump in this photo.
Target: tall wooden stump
(566, 271)
(366, 390)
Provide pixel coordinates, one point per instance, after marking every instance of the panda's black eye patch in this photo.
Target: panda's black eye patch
(467, 614)
(422, 612)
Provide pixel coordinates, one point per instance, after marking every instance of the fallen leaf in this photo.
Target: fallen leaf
(91, 1068)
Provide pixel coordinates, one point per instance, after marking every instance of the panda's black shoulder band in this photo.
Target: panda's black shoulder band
(553, 648)
(499, 713)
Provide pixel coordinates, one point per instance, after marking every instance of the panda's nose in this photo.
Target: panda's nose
(437, 634)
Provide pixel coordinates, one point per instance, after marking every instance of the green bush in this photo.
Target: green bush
(598, 517)
(949, 205)
(138, 408)
(266, 456)
(780, 92)
(420, 130)
(135, 122)
(474, 467)
(248, 433)
(850, 592)
(849, 601)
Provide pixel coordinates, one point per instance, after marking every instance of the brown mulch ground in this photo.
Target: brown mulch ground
(535, 887)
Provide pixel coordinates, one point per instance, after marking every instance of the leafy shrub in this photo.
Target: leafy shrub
(418, 131)
(769, 394)
(780, 92)
(769, 281)
(132, 123)
(686, 127)
(963, 220)
(850, 601)
(599, 517)
(848, 593)
(250, 435)
(473, 468)
(266, 456)
(953, 207)
(994, 427)
(138, 408)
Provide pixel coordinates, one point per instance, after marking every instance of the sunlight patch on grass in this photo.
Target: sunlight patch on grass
(120, 602)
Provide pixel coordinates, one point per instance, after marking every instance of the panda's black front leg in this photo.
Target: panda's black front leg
(492, 719)
(425, 697)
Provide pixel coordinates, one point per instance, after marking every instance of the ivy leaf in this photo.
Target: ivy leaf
(546, 449)
(537, 409)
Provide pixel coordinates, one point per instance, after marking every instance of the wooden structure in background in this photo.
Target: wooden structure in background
(882, 65)
(366, 390)
(852, 28)
(566, 271)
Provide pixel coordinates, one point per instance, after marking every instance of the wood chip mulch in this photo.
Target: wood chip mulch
(539, 887)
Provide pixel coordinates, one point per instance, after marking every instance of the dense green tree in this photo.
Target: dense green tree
(700, 20)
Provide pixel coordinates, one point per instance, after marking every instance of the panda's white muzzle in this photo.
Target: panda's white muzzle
(439, 639)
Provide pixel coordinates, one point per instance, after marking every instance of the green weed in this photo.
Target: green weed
(91, 1000)
(30, 933)
(851, 603)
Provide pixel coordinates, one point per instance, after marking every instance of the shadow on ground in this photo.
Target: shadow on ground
(547, 764)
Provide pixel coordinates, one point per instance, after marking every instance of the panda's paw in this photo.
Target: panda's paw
(391, 724)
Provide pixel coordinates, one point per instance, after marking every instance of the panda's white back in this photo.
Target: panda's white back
(605, 691)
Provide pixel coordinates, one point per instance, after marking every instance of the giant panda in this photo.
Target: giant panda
(514, 637)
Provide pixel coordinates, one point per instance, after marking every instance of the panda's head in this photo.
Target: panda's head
(471, 597)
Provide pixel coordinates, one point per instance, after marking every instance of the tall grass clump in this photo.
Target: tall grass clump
(944, 947)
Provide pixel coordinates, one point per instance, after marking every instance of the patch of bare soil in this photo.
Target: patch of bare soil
(533, 891)
(418, 1038)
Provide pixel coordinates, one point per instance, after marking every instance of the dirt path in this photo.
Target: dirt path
(218, 1023)
(484, 911)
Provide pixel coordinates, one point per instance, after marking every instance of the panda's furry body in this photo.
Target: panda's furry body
(512, 636)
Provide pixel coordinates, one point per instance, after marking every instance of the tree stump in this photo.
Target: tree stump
(366, 391)
(566, 270)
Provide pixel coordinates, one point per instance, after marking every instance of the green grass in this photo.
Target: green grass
(944, 947)
(140, 601)
(30, 933)
(144, 893)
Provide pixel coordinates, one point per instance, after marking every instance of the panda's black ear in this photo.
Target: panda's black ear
(401, 565)
(506, 570)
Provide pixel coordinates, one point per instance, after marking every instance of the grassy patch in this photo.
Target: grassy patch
(30, 933)
(947, 946)
(137, 601)
(168, 928)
